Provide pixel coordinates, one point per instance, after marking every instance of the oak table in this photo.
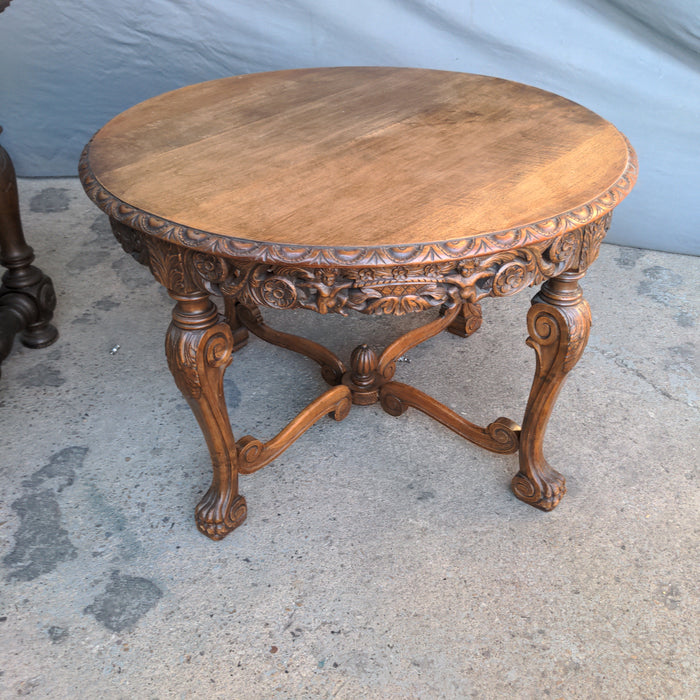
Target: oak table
(378, 190)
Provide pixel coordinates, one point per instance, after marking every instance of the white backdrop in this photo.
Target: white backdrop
(70, 65)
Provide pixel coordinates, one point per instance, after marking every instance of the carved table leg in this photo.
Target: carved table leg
(27, 297)
(199, 347)
(468, 320)
(558, 322)
(240, 332)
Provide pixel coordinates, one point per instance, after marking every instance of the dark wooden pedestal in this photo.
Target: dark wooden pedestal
(27, 297)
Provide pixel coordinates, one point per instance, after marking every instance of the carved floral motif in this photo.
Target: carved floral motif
(181, 348)
(170, 266)
(209, 267)
(389, 290)
(381, 290)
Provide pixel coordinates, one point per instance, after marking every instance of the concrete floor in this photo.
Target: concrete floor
(382, 557)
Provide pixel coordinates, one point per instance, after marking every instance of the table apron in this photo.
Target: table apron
(397, 289)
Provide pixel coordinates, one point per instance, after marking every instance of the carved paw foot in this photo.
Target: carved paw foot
(218, 514)
(543, 492)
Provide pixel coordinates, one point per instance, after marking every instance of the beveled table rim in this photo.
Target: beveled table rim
(351, 256)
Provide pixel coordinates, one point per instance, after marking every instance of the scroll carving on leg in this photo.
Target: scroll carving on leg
(558, 322)
(199, 347)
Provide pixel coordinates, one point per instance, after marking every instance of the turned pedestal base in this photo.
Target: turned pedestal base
(27, 298)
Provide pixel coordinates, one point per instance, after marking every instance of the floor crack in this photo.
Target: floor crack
(626, 365)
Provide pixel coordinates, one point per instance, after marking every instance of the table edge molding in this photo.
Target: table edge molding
(354, 256)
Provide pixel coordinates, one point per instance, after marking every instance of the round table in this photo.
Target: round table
(378, 190)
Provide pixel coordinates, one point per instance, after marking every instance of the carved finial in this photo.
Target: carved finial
(363, 362)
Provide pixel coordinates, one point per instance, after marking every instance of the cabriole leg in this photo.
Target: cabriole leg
(199, 347)
(558, 322)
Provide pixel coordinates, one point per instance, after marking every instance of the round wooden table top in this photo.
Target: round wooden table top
(349, 165)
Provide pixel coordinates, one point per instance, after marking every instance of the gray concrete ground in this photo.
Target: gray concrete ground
(382, 557)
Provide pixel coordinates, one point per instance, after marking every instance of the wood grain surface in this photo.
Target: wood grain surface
(358, 156)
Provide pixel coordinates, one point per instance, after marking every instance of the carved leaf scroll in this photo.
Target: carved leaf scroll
(395, 290)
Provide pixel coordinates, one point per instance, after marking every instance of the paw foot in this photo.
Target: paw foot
(539, 492)
(216, 516)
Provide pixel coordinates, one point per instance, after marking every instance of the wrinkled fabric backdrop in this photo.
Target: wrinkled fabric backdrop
(69, 66)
